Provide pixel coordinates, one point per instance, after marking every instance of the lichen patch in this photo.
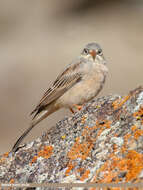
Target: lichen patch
(45, 153)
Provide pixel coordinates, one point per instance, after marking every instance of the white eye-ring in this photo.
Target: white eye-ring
(99, 52)
(86, 51)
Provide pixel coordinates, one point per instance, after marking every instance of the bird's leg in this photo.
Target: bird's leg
(72, 110)
(78, 107)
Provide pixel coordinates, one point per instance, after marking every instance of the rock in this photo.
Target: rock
(102, 143)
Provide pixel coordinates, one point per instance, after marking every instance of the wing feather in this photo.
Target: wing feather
(69, 77)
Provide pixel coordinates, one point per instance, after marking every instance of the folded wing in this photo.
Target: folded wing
(69, 77)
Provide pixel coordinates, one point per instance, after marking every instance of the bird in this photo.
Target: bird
(77, 84)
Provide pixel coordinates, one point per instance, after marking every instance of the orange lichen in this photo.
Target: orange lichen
(34, 159)
(82, 174)
(116, 135)
(45, 153)
(11, 181)
(116, 103)
(87, 131)
(80, 150)
(126, 138)
(138, 133)
(104, 124)
(100, 126)
(70, 166)
(3, 158)
(109, 172)
(119, 102)
(132, 164)
(83, 119)
(83, 146)
(134, 127)
(85, 175)
(115, 148)
(139, 114)
(6, 154)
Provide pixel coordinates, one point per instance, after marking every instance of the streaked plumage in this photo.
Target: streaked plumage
(78, 83)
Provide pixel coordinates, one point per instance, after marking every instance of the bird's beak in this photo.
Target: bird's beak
(93, 54)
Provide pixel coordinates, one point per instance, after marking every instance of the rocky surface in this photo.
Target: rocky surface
(102, 143)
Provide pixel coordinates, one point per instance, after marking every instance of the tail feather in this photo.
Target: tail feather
(36, 119)
(38, 109)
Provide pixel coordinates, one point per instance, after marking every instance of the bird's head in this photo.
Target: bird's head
(93, 52)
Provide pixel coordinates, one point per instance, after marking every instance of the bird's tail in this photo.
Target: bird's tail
(37, 118)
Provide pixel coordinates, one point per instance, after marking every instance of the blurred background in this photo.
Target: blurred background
(38, 38)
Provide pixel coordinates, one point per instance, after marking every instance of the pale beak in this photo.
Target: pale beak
(93, 54)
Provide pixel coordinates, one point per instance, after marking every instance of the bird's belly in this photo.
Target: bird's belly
(81, 92)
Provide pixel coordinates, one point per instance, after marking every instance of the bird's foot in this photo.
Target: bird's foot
(78, 107)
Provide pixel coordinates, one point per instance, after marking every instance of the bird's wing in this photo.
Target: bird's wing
(69, 77)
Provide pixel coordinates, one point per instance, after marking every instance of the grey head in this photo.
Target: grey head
(93, 52)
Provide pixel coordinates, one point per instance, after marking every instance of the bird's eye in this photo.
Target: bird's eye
(86, 51)
(99, 52)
